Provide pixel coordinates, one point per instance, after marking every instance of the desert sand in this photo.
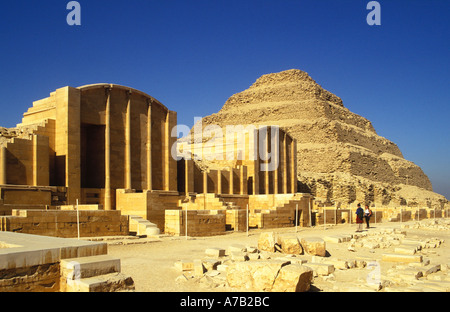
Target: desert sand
(151, 261)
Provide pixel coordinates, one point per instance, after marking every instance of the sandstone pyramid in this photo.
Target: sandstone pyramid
(340, 155)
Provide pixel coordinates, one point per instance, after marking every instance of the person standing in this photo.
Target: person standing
(359, 218)
(367, 215)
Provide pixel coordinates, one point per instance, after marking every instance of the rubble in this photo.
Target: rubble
(291, 262)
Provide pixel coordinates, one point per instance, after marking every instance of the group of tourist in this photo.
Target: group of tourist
(361, 215)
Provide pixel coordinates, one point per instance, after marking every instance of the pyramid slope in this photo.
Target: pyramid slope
(335, 148)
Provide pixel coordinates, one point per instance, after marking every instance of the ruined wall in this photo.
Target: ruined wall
(63, 223)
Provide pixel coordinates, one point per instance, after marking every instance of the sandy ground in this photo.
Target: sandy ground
(150, 261)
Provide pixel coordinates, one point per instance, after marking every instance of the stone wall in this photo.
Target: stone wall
(199, 222)
(63, 223)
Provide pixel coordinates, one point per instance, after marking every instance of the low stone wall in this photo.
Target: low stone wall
(199, 222)
(37, 278)
(63, 223)
(31, 263)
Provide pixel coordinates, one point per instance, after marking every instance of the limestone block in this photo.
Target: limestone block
(210, 264)
(237, 248)
(405, 249)
(89, 266)
(322, 269)
(256, 275)
(401, 258)
(102, 283)
(266, 241)
(184, 265)
(199, 269)
(215, 252)
(315, 246)
(293, 278)
(290, 244)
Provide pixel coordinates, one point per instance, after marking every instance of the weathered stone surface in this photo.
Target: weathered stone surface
(320, 268)
(290, 244)
(266, 241)
(293, 278)
(315, 246)
(184, 265)
(256, 275)
(215, 252)
(401, 258)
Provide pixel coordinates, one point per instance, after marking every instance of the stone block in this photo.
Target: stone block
(237, 248)
(290, 244)
(401, 258)
(103, 283)
(293, 278)
(266, 241)
(84, 267)
(321, 269)
(199, 269)
(210, 264)
(184, 265)
(215, 252)
(405, 250)
(256, 275)
(315, 246)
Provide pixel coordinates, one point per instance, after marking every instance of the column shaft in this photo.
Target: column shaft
(128, 144)
(149, 146)
(3, 165)
(108, 151)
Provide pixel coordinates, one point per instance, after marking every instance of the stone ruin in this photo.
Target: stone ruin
(97, 161)
(291, 262)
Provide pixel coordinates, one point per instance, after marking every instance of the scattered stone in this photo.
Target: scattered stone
(337, 263)
(433, 269)
(239, 256)
(266, 241)
(320, 269)
(210, 264)
(257, 275)
(314, 246)
(199, 269)
(184, 265)
(401, 258)
(252, 250)
(406, 249)
(290, 245)
(293, 278)
(237, 248)
(215, 252)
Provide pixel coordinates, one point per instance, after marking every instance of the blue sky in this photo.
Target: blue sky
(193, 55)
